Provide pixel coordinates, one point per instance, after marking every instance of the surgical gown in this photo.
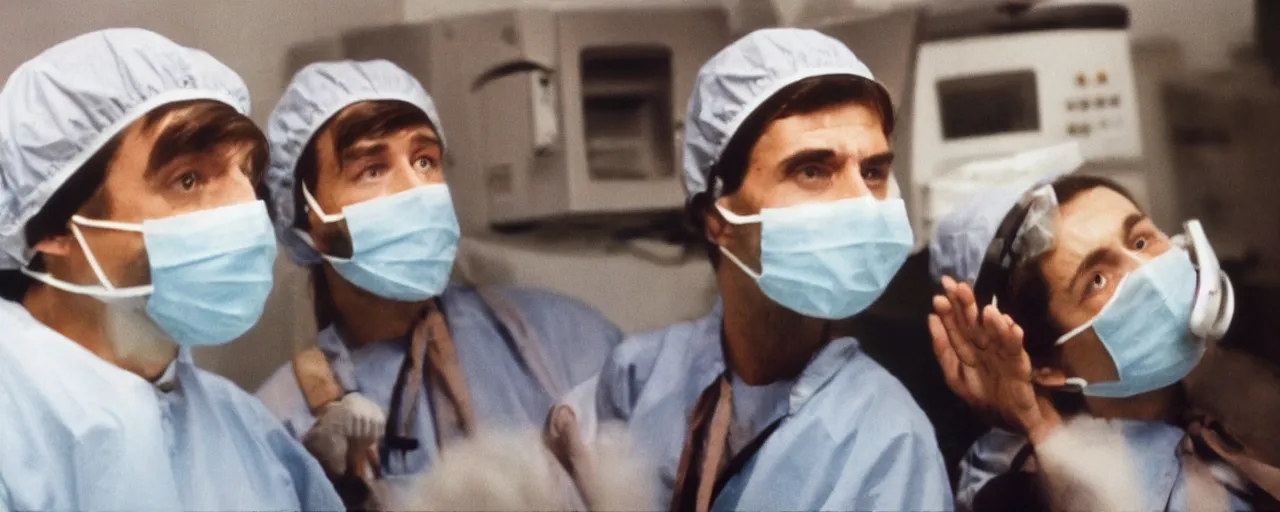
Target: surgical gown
(77, 433)
(850, 438)
(503, 393)
(1153, 443)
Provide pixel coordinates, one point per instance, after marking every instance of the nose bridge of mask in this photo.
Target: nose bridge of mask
(327, 218)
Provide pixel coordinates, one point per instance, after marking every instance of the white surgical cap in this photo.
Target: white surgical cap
(317, 93)
(60, 108)
(736, 81)
(961, 238)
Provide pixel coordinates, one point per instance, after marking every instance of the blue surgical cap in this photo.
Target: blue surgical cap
(61, 107)
(960, 239)
(317, 93)
(736, 81)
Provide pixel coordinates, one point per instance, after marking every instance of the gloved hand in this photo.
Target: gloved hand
(355, 417)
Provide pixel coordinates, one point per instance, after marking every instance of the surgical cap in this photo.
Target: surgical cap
(61, 107)
(961, 238)
(736, 81)
(317, 93)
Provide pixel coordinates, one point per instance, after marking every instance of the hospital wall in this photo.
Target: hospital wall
(266, 40)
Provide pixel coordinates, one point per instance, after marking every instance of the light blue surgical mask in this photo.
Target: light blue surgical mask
(210, 271)
(828, 260)
(1145, 328)
(402, 245)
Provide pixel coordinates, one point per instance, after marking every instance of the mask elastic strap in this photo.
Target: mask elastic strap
(736, 219)
(1073, 333)
(739, 263)
(315, 207)
(306, 238)
(1075, 384)
(88, 253)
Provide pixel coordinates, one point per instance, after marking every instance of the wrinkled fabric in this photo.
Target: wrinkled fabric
(961, 237)
(61, 107)
(851, 439)
(503, 393)
(317, 93)
(738, 79)
(78, 433)
(1153, 444)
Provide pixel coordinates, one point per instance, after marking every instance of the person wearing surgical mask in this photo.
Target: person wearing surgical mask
(1080, 324)
(755, 406)
(404, 363)
(130, 233)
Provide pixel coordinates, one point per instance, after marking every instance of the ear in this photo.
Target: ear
(58, 245)
(1047, 377)
(718, 230)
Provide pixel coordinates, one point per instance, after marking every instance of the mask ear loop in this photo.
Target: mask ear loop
(315, 207)
(108, 289)
(738, 220)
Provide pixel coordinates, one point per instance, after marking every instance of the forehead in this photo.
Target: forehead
(853, 127)
(1091, 219)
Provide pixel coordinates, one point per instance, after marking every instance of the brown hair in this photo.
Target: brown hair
(367, 119)
(1025, 296)
(206, 124)
(803, 97)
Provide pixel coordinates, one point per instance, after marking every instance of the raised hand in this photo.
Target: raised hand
(985, 363)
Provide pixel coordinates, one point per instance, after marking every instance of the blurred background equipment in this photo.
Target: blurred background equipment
(999, 78)
(560, 112)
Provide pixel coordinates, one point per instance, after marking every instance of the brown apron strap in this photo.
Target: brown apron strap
(431, 358)
(705, 448)
(1263, 475)
(451, 400)
(315, 377)
(525, 341)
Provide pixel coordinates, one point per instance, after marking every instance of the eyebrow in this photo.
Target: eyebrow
(819, 155)
(885, 158)
(1099, 255)
(806, 156)
(423, 139)
(358, 151)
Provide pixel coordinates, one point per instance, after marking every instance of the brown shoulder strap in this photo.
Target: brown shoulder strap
(315, 378)
(525, 341)
(1263, 475)
(705, 448)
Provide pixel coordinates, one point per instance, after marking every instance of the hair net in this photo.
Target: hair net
(317, 93)
(731, 85)
(962, 237)
(61, 107)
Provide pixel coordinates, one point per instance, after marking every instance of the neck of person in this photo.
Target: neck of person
(365, 318)
(764, 342)
(83, 319)
(1159, 405)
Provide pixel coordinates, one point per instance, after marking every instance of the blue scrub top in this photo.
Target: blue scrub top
(1153, 443)
(503, 393)
(78, 433)
(851, 437)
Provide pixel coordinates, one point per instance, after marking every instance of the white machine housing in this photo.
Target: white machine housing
(553, 113)
(985, 95)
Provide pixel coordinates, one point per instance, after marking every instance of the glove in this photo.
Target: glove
(355, 417)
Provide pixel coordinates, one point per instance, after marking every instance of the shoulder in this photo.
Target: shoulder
(681, 344)
(671, 355)
(229, 399)
(539, 306)
(868, 409)
(282, 397)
